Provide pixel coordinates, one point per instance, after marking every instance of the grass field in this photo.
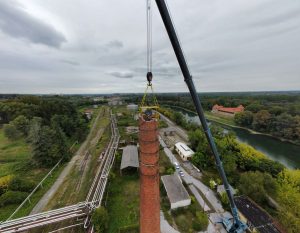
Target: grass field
(122, 196)
(13, 154)
(123, 201)
(220, 119)
(15, 161)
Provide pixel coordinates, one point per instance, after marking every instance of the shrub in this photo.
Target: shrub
(100, 219)
(130, 229)
(11, 132)
(12, 197)
(201, 221)
(17, 184)
(4, 182)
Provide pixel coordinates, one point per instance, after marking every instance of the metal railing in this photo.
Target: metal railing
(82, 209)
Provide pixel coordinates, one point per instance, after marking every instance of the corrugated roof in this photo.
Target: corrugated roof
(130, 157)
(175, 189)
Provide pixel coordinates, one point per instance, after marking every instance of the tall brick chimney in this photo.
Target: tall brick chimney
(149, 175)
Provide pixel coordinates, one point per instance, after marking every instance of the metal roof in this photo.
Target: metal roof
(255, 215)
(184, 149)
(130, 157)
(175, 189)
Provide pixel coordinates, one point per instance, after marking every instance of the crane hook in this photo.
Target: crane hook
(149, 78)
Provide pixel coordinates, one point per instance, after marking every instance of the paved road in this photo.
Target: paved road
(39, 207)
(181, 132)
(165, 226)
(199, 198)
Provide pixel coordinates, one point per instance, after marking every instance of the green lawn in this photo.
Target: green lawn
(12, 154)
(123, 201)
(220, 119)
(15, 161)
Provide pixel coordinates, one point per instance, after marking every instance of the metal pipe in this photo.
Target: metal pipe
(163, 9)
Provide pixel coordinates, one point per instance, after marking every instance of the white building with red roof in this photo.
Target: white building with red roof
(227, 111)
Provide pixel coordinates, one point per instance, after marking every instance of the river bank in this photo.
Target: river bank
(284, 152)
(225, 122)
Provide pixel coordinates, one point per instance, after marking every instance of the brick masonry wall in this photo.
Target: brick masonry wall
(149, 177)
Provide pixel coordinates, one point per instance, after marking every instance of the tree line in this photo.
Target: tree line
(277, 114)
(275, 122)
(49, 124)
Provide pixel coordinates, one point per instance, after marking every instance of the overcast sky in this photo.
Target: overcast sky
(99, 46)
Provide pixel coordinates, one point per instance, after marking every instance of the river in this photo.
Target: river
(284, 152)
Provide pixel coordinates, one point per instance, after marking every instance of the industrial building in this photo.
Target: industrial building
(257, 219)
(227, 111)
(177, 194)
(130, 157)
(133, 107)
(184, 151)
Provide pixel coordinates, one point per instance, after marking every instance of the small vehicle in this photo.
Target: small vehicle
(176, 165)
(181, 173)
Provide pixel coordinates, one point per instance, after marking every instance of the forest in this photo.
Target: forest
(49, 124)
(35, 133)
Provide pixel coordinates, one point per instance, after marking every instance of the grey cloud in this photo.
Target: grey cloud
(17, 23)
(237, 46)
(73, 63)
(121, 74)
(115, 44)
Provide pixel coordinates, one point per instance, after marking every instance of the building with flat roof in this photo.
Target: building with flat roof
(133, 107)
(177, 194)
(130, 157)
(184, 151)
(257, 219)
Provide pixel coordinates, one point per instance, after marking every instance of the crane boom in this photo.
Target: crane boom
(237, 226)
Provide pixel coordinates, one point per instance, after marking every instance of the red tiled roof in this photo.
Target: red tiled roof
(229, 110)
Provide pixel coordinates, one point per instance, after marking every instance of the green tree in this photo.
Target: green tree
(288, 197)
(43, 147)
(244, 118)
(261, 120)
(256, 185)
(201, 221)
(178, 118)
(254, 107)
(225, 200)
(22, 124)
(34, 129)
(11, 132)
(100, 219)
(60, 148)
